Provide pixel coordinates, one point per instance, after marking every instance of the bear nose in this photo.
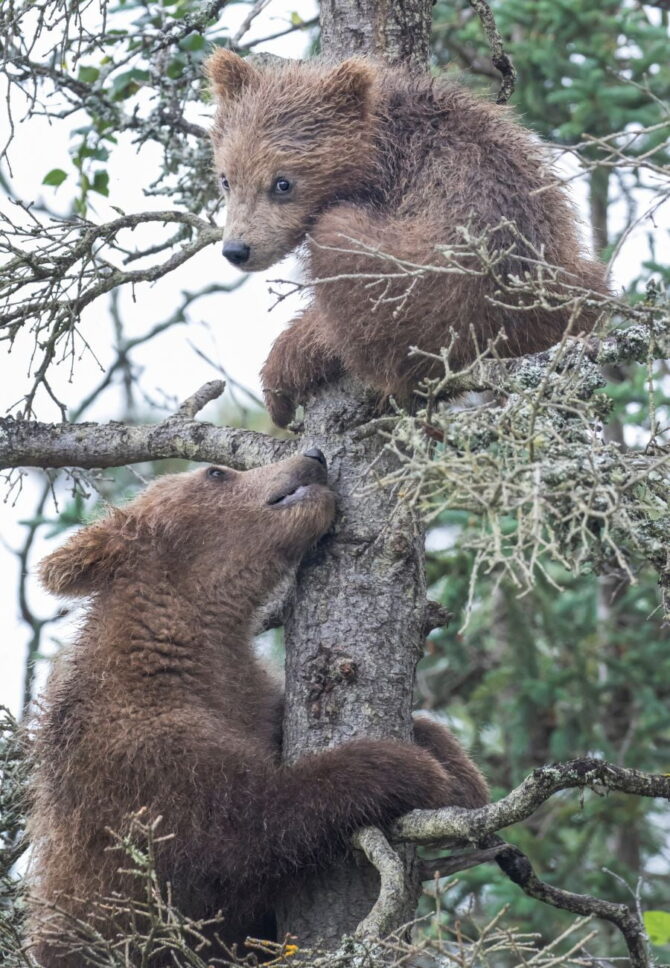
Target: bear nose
(236, 252)
(316, 454)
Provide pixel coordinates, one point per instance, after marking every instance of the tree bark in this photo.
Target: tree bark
(397, 31)
(356, 630)
(353, 638)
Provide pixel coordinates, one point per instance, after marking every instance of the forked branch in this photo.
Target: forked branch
(479, 826)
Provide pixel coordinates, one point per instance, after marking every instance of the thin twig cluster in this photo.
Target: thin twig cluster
(540, 485)
(54, 270)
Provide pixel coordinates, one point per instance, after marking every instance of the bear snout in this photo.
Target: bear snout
(317, 454)
(236, 252)
(296, 484)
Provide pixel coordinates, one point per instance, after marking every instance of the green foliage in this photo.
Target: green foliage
(552, 675)
(578, 61)
(657, 924)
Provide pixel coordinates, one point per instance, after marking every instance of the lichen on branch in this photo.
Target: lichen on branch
(532, 466)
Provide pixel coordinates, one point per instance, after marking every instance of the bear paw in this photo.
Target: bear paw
(280, 406)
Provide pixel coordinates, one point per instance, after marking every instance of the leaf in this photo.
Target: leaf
(55, 177)
(88, 74)
(657, 924)
(100, 183)
(192, 42)
(126, 84)
(175, 68)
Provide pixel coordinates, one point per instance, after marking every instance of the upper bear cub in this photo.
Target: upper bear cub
(369, 163)
(161, 703)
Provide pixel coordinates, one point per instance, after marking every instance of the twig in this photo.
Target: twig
(501, 60)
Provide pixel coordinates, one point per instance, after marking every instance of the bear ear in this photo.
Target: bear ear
(347, 87)
(88, 560)
(229, 75)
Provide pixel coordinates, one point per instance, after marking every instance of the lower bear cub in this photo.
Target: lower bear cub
(162, 704)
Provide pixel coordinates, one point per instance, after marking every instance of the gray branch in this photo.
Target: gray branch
(29, 443)
(514, 863)
(457, 823)
(390, 905)
(501, 59)
(622, 346)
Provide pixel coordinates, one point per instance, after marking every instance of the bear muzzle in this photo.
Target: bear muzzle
(236, 252)
(308, 479)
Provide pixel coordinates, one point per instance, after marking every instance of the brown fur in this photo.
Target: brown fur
(162, 704)
(398, 163)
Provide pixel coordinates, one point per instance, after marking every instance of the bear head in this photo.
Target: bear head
(208, 526)
(289, 140)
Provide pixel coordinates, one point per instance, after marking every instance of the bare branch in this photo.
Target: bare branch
(194, 404)
(519, 869)
(456, 823)
(391, 903)
(501, 60)
(479, 826)
(27, 443)
(452, 864)
(54, 272)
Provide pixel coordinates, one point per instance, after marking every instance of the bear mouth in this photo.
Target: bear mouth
(299, 493)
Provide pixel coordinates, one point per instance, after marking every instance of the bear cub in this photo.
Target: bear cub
(380, 171)
(162, 704)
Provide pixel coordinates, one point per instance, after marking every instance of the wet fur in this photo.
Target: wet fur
(161, 703)
(398, 162)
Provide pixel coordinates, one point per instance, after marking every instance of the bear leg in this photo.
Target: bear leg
(299, 361)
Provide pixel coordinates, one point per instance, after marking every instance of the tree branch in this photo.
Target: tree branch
(501, 60)
(29, 443)
(621, 346)
(456, 823)
(462, 861)
(194, 404)
(514, 863)
(478, 826)
(390, 905)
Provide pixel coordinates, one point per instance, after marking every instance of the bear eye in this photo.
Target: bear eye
(282, 186)
(216, 473)
(225, 184)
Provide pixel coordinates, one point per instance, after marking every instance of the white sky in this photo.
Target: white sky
(238, 331)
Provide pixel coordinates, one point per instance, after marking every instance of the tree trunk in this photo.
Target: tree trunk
(397, 31)
(352, 642)
(620, 714)
(598, 205)
(356, 630)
